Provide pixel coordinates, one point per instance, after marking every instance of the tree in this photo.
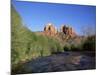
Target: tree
(89, 30)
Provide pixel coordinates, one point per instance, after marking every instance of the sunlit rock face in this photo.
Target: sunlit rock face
(68, 31)
(50, 30)
(65, 32)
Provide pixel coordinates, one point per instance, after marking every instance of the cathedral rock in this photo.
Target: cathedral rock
(50, 30)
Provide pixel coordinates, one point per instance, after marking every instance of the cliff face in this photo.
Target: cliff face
(50, 30)
(66, 32)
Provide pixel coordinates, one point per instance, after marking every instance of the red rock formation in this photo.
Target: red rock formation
(68, 31)
(50, 30)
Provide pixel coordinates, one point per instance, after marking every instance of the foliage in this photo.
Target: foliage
(26, 44)
(90, 44)
(66, 48)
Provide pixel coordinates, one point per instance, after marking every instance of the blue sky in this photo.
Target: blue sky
(36, 15)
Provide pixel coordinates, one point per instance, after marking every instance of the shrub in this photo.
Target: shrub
(66, 48)
(89, 44)
(75, 48)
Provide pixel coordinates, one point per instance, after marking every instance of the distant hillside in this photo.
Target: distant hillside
(66, 35)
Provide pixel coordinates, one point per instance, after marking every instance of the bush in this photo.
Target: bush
(66, 48)
(89, 44)
(75, 48)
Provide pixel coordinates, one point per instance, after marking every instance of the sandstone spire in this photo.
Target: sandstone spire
(49, 29)
(68, 31)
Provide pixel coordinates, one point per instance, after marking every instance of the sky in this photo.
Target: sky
(35, 15)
